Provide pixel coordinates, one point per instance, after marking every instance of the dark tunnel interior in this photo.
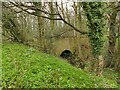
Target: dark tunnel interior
(66, 54)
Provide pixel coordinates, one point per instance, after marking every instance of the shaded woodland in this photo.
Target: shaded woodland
(91, 28)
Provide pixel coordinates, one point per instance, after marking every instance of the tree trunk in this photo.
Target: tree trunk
(52, 27)
(40, 26)
(111, 53)
(110, 60)
(77, 23)
(117, 67)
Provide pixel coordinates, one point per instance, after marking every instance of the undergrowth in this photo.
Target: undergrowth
(25, 67)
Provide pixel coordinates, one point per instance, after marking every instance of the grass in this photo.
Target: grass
(25, 67)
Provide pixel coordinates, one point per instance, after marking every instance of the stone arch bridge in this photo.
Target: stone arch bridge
(74, 44)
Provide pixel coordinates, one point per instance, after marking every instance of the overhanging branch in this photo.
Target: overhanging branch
(58, 14)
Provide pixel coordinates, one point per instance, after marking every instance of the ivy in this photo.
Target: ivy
(95, 21)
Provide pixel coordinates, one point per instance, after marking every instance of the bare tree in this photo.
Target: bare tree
(117, 66)
(58, 13)
(111, 59)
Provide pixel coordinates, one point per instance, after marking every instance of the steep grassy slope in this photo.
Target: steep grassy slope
(26, 67)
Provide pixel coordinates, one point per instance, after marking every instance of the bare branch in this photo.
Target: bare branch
(73, 27)
(60, 17)
(37, 9)
(33, 13)
(58, 35)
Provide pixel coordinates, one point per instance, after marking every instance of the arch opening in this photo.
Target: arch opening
(66, 54)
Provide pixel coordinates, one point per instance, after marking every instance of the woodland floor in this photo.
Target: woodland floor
(25, 67)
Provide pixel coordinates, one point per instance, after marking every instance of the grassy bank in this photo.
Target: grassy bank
(25, 67)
